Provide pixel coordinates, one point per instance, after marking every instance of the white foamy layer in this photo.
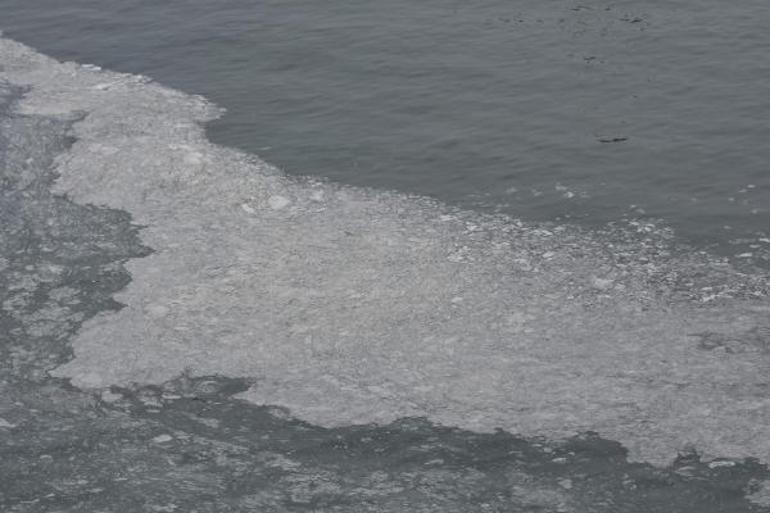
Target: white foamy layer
(354, 306)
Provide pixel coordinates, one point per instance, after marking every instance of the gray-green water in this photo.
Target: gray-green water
(593, 111)
(189, 445)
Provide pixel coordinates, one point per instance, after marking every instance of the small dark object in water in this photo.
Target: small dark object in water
(612, 139)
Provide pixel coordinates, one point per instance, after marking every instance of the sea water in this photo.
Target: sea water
(586, 112)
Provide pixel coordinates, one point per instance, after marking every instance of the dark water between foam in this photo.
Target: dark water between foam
(591, 111)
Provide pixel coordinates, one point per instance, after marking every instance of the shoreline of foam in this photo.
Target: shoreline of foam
(353, 306)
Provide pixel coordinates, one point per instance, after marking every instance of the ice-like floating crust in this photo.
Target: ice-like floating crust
(356, 306)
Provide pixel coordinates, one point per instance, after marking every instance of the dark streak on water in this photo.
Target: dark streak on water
(587, 111)
(189, 446)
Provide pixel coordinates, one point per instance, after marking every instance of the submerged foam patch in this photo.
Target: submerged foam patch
(356, 306)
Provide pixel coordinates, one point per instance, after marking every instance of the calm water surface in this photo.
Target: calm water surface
(591, 111)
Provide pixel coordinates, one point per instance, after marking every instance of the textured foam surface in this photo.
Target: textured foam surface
(356, 306)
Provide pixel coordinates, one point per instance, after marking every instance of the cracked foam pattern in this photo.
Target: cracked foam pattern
(59, 262)
(356, 306)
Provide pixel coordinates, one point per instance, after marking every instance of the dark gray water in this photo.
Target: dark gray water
(190, 445)
(593, 111)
